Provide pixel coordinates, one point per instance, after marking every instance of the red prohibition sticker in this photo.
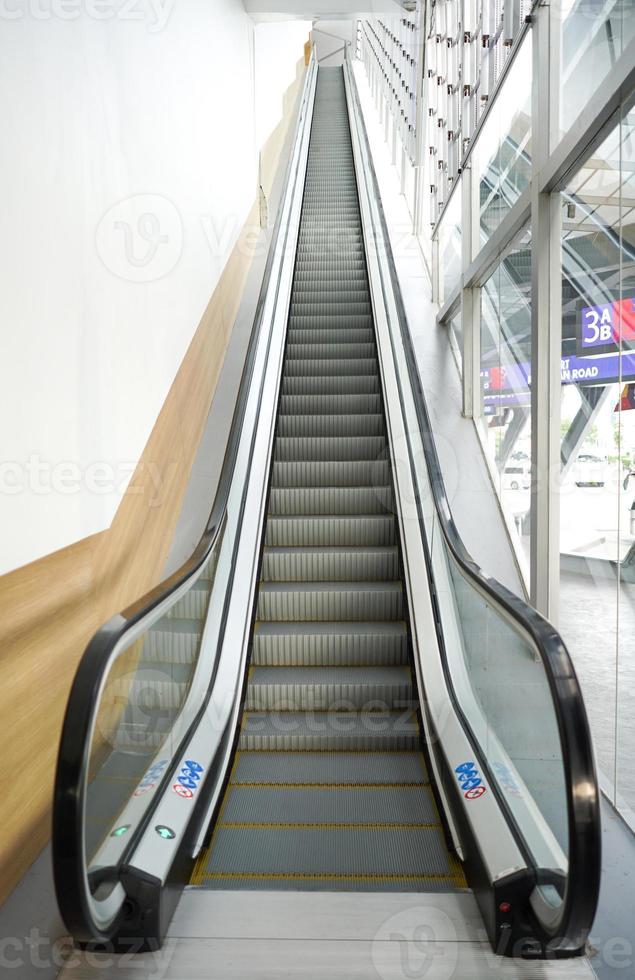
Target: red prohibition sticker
(476, 793)
(183, 791)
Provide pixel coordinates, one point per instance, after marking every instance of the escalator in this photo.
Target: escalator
(330, 786)
(330, 695)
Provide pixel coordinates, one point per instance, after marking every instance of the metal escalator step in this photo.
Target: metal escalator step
(322, 531)
(323, 473)
(351, 384)
(291, 501)
(316, 368)
(328, 688)
(328, 601)
(329, 731)
(331, 335)
(324, 307)
(330, 643)
(329, 448)
(325, 266)
(328, 883)
(325, 805)
(330, 425)
(329, 352)
(323, 322)
(316, 273)
(338, 852)
(329, 769)
(329, 404)
(330, 564)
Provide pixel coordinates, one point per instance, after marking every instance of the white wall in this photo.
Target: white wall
(104, 101)
(274, 71)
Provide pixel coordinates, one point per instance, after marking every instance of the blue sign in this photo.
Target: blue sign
(505, 388)
(470, 781)
(151, 777)
(603, 328)
(188, 779)
(596, 325)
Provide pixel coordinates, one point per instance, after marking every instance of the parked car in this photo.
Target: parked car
(516, 476)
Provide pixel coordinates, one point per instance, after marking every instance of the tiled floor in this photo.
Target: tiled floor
(589, 617)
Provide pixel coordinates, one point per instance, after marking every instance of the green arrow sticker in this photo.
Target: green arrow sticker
(165, 832)
(120, 831)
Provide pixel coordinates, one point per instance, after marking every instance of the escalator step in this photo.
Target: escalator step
(329, 448)
(328, 688)
(322, 731)
(400, 805)
(328, 601)
(330, 564)
(330, 643)
(323, 531)
(325, 473)
(329, 769)
(329, 404)
(337, 852)
(329, 335)
(327, 384)
(342, 501)
(320, 368)
(308, 426)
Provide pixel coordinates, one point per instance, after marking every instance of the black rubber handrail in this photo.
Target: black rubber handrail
(583, 796)
(70, 873)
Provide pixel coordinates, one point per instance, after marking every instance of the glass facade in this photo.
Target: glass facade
(456, 337)
(597, 536)
(450, 237)
(592, 37)
(496, 83)
(502, 154)
(505, 371)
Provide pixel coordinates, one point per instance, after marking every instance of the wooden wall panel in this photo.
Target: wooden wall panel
(50, 609)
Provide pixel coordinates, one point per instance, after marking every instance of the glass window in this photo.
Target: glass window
(456, 337)
(450, 246)
(505, 373)
(593, 36)
(597, 536)
(503, 148)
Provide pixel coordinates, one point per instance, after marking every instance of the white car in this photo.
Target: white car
(516, 476)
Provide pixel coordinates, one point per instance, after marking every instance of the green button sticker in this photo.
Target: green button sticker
(120, 831)
(165, 832)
